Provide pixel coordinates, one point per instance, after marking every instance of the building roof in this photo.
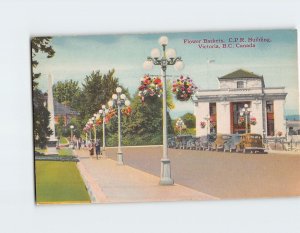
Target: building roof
(60, 109)
(240, 74)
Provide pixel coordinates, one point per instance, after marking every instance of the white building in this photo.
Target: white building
(219, 109)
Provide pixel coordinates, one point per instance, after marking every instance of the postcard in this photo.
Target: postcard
(158, 117)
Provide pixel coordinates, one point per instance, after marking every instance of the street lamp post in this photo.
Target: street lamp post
(120, 100)
(168, 58)
(103, 113)
(246, 110)
(72, 127)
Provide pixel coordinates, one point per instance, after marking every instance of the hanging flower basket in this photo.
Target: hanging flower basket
(126, 111)
(111, 113)
(183, 88)
(253, 121)
(202, 124)
(150, 87)
(241, 120)
(99, 121)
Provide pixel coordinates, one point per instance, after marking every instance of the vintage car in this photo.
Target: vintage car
(207, 141)
(181, 141)
(218, 144)
(251, 143)
(231, 144)
(171, 142)
(191, 143)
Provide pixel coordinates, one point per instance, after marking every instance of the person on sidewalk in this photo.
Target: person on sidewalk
(97, 145)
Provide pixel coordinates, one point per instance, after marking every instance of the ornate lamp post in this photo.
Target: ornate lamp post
(179, 124)
(168, 58)
(246, 110)
(120, 100)
(103, 113)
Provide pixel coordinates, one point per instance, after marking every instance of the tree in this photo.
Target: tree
(65, 92)
(97, 90)
(189, 120)
(41, 115)
(39, 44)
(144, 126)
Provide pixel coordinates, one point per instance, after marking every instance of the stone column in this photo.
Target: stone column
(257, 112)
(201, 111)
(279, 120)
(223, 117)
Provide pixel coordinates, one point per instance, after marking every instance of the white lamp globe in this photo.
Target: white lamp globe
(110, 103)
(118, 89)
(163, 40)
(100, 111)
(246, 105)
(179, 65)
(114, 96)
(170, 53)
(155, 53)
(123, 96)
(103, 106)
(72, 127)
(148, 65)
(127, 102)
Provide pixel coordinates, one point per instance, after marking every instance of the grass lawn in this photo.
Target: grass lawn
(59, 182)
(65, 152)
(63, 140)
(40, 150)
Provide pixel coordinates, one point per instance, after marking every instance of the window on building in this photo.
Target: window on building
(240, 84)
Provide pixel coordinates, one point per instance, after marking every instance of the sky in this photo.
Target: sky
(276, 59)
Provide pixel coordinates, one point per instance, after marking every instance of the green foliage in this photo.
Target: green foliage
(189, 120)
(65, 152)
(39, 44)
(41, 117)
(59, 182)
(65, 92)
(144, 126)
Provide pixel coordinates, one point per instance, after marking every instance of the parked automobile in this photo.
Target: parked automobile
(218, 144)
(191, 143)
(207, 141)
(181, 141)
(251, 143)
(231, 144)
(171, 142)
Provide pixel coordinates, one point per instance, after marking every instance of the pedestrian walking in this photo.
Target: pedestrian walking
(97, 145)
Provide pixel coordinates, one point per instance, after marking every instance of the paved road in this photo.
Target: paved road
(220, 174)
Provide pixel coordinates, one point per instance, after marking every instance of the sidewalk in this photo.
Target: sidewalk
(108, 182)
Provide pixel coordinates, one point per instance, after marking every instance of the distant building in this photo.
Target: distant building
(62, 111)
(220, 108)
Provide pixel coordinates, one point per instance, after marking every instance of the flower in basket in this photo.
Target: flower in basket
(99, 121)
(253, 121)
(150, 87)
(183, 88)
(111, 113)
(241, 120)
(127, 111)
(202, 124)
